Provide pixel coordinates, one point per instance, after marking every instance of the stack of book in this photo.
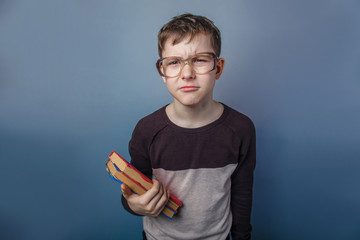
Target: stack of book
(122, 171)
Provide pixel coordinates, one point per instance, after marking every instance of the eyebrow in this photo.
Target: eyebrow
(200, 53)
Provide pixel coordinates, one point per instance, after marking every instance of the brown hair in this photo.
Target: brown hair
(189, 25)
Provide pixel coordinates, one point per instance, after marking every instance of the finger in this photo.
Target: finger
(164, 199)
(160, 202)
(126, 191)
(157, 191)
(157, 204)
(152, 192)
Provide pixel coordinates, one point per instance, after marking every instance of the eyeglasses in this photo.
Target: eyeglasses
(201, 63)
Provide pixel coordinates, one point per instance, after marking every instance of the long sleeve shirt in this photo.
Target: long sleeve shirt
(210, 169)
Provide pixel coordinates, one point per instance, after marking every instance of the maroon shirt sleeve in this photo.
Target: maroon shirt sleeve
(138, 149)
(241, 188)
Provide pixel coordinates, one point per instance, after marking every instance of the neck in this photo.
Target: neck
(194, 116)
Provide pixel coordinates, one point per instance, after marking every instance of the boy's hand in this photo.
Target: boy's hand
(150, 203)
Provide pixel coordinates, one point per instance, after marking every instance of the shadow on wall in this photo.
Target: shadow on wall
(11, 227)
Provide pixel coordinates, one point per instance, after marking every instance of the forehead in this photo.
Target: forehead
(188, 46)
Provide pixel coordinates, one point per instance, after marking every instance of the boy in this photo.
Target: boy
(199, 149)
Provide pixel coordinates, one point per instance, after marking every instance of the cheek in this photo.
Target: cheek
(170, 85)
(210, 81)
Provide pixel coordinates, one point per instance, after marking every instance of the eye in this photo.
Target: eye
(200, 60)
(171, 62)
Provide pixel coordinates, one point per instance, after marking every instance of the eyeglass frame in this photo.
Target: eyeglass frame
(186, 61)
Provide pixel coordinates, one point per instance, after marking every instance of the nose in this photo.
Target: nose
(187, 73)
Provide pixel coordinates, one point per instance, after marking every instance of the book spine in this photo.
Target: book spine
(137, 189)
(139, 177)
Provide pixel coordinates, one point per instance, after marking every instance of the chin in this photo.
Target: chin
(190, 103)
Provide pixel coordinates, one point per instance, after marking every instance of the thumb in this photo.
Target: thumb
(126, 191)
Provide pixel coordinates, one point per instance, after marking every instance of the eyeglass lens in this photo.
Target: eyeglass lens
(201, 64)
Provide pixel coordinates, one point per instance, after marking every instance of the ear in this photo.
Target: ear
(219, 67)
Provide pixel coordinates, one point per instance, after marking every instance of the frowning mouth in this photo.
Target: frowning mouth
(189, 88)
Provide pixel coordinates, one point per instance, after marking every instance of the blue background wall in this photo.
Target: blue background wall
(76, 76)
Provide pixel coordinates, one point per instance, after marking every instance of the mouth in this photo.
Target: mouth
(189, 88)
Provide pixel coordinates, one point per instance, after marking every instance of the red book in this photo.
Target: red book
(124, 172)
